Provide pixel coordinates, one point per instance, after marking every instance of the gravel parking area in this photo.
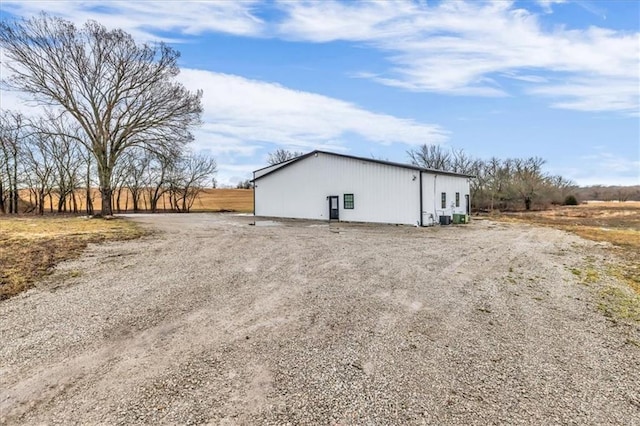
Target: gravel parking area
(212, 320)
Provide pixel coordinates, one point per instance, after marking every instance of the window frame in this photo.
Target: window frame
(348, 204)
(457, 199)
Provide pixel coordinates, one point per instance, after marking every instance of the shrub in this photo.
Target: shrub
(570, 200)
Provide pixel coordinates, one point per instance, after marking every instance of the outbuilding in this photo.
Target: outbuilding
(330, 186)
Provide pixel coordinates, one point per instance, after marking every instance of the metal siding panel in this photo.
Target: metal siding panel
(432, 187)
(382, 193)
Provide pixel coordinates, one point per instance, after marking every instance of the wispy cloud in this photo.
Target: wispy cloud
(604, 168)
(452, 47)
(148, 20)
(241, 111)
(547, 4)
(464, 48)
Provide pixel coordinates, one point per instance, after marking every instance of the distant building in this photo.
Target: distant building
(329, 186)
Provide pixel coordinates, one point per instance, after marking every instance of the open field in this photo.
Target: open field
(613, 222)
(236, 200)
(210, 200)
(31, 246)
(212, 320)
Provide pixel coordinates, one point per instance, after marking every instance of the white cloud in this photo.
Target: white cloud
(239, 109)
(547, 4)
(604, 168)
(143, 19)
(452, 47)
(584, 94)
(461, 47)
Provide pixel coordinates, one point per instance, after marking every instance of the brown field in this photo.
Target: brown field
(238, 200)
(31, 246)
(210, 200)
(615, 222)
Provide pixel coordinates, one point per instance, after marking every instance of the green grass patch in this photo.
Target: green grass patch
(619, 303)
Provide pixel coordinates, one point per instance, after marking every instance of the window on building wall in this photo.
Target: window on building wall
(443, 203)
(348, 201)
(457, 199)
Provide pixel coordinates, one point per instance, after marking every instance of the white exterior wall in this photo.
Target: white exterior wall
(382, 193)
(433, 185)
(267, 169)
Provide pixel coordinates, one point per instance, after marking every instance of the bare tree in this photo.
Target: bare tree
(12, 133)
(528, 179)
(39, 167)
(121, 93)
(281, 155)
(190, 174)
(158, 177)
(136, 172)
(431, 157)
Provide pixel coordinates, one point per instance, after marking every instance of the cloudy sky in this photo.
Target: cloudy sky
(558, 79)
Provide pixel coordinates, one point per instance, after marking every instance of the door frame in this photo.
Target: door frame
(333, 216)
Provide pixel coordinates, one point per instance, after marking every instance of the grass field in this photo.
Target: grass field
(238, 200)
(613, 222)
(209, 200)
(31, 246)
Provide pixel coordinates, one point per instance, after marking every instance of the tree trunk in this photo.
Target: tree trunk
(119, 192)
(41, 202)
(106, 209)
(135, 195)
(16, 196)
(89, 202)
(2, 207)
(62, 201)
(74, 201)
(527, 203)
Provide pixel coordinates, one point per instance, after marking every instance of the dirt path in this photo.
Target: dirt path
(211, 320)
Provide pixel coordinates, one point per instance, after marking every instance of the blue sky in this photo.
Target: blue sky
(549, 78)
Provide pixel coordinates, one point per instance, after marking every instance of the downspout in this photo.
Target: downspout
(436, 219)
(421, 214)
(254, 196)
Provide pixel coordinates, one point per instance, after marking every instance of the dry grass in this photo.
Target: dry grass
(616, 223)
(238, 200)
(31, 246)
(210, 200)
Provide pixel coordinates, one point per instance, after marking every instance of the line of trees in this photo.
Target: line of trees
(109, 106)
(501, 184)
(47, 169)
(609, 193)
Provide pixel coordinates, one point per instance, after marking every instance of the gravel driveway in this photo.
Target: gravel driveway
(211, 320)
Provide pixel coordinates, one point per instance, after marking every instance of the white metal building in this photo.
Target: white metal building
(324, 185)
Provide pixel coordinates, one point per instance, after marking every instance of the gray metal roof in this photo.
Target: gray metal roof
(353, 157)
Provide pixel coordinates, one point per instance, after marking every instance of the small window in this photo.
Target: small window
(443, 204)
(348, 201)
(457, 199)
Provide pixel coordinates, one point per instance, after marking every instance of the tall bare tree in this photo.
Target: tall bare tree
(122, 94)
(431, 157)
(12, 133)
(39, 166)
(281, 155)
(529, 179)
